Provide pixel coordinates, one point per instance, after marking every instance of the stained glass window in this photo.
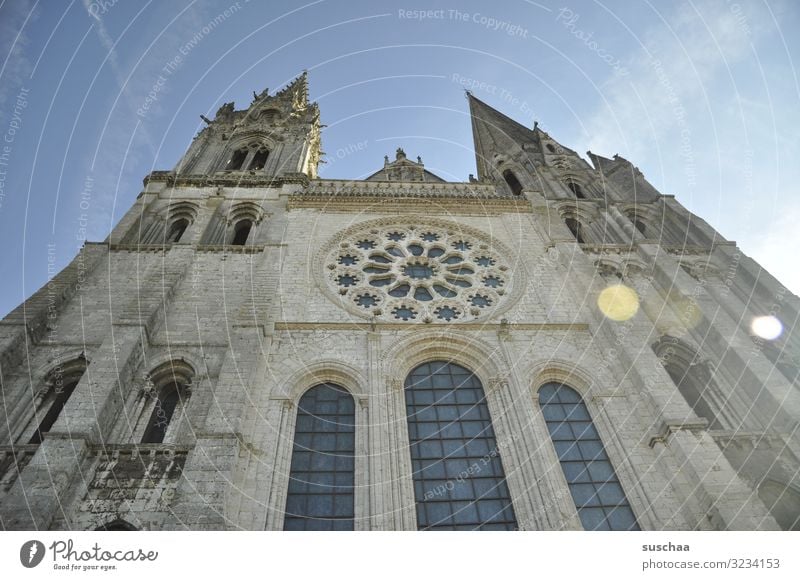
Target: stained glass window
(459, 482)
(594, 486)
(321, 479)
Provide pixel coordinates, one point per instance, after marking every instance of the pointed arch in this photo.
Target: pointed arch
(176, 230)
(243, 217)
(596, 491)
(322, 470)
(59, 385)
(576, 218)
(241, 231)
(690, 374)
(459, 480)
(513, 183)
(575, 188)
(166, 396)
(576, 229)
(236, 160)
(249, 151)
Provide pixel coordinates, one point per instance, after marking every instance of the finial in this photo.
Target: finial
(419, 159)
(400, 154)
(535, 125)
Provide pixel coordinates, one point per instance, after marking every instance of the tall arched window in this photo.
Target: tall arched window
(575, 228)
(237, 159)
(459, 482)
(259, 159)
(176, 230)
(693, 377)
(163, 401)
(640, 226)
(594, 486)
(54, 403)
(241, 232)
(512, 181)
(63, 381)
(321, 479)
(169, 399)
(694, 391)
(575, 188)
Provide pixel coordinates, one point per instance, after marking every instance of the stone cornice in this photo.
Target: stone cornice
(668, 427)
(366, 326)
(226, 179)
(228, 249)
(329, 188)
(407, 204)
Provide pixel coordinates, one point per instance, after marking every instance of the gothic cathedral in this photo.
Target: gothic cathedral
(551, 345)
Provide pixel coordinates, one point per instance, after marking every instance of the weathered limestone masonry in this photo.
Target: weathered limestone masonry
(165, 379)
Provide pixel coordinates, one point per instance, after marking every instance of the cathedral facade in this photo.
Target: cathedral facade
(551, 345)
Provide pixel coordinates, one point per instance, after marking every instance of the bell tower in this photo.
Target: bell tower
(519, 158)
(277, 135)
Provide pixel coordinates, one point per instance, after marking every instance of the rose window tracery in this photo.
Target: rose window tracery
(418, 274)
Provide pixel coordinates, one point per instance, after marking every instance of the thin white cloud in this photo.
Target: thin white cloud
(669, 75)
(15, 66)
(678, 114)
(773, 249)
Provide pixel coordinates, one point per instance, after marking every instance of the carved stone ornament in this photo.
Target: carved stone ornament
(418, 273)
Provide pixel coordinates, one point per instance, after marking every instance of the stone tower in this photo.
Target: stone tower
(553, 345)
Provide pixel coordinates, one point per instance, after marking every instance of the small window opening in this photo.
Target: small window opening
(162, 414)
(237, 160)
(576, 228)
(177, 230)
(59, 397)
(513, 182)
(242, 232)
(259, 160)
(576, 189)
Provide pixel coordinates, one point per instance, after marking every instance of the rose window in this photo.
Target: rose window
(419, 274)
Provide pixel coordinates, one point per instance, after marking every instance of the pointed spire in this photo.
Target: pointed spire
(494, 132)
(298, 89)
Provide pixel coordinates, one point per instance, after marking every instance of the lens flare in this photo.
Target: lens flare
(766, 327)
(618, 302)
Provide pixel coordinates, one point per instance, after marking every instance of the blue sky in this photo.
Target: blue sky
(702, 96)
